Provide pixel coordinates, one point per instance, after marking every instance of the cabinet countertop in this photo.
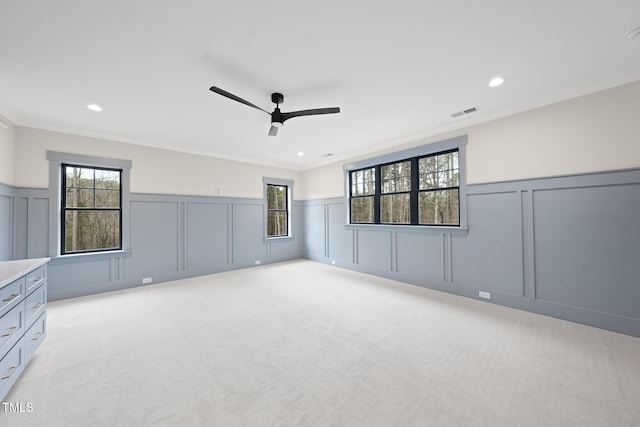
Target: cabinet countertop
(12, 270)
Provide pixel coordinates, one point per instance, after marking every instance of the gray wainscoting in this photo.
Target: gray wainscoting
(566, 247)
(31, 224)
(171, 237)
(7, 201)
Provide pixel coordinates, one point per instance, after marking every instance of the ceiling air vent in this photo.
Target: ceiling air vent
(465, 112)
(327, 155)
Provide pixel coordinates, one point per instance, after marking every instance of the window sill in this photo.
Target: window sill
(91, 256)
(421, 229)
(278, 239)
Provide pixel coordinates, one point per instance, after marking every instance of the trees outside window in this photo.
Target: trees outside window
(277, 210)
(91, 216)
(395, 193)
(422, 190)
(363, 188)
(438, 192)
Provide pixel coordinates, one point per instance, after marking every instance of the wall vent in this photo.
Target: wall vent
(465, 112)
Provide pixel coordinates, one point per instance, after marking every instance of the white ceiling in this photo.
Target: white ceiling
(396, 69)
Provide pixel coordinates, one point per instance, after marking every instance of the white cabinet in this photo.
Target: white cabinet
(23, 302)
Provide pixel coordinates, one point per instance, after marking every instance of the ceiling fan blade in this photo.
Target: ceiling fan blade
(235, 98)
(273, 131)
(314, 112)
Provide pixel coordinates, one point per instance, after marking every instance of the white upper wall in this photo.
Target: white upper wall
(591, 133)
(596, 132)
(7, 152)
(153, 170)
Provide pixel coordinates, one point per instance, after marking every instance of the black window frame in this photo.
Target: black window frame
(64, 209)
(285, 210)
(414, 191)
(438, 189)
(381, 193)
(376, 201)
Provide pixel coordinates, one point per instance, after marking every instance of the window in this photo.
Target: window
(277, 211)
(395, 193)
(91, 216)
(420, 186)
(277, 201)
(438, 189)
(90, 205)
(363, 188)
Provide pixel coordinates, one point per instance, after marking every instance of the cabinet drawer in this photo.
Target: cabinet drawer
(36, 278)
(11, 328)
(35, 304)
(10, 295)
(34, 336)
(11, 366)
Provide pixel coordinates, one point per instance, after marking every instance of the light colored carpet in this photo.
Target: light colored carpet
(306, 344)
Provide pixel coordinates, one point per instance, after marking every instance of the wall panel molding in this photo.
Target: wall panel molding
(562, 246)
(31, 207)
(7, 216)
(565, 246)
(528, 243)
(172, 237)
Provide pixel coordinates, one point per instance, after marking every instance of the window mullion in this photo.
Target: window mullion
(94, 188)
(376, 196)
(413, 195)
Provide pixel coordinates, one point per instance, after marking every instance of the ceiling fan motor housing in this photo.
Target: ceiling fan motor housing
(276, 118)
(277, 98)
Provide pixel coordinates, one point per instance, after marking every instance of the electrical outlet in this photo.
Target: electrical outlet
(258, 262)
(333, 261)
(484, 294)
(147, 280)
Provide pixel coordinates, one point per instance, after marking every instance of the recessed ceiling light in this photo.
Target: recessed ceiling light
(300, 153)
(496, 81)
(94, 107)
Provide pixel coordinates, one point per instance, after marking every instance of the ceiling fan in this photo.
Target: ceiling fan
(277, 117)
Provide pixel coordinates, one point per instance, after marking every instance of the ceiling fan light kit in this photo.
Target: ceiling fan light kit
(277, 117)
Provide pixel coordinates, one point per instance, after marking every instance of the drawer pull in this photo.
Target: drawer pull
(11, 297)
(8, 334)
(12, 370)
(37, 278)
(38, 304)
(37, 335)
